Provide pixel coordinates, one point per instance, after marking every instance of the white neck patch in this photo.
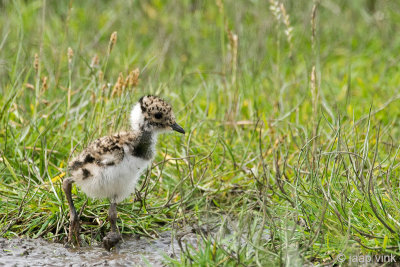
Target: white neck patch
(136, 117)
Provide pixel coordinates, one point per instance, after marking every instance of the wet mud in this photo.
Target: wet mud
(133, 251)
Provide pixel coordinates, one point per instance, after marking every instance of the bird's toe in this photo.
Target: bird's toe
(110, 240)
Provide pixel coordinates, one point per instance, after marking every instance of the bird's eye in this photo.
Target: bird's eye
(158, 115)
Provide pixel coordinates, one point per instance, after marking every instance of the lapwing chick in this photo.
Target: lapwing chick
(110, 166)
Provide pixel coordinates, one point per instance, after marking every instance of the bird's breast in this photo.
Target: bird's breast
(115, 182)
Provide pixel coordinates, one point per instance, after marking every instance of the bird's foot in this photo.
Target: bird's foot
(111, 239)
(73, 236)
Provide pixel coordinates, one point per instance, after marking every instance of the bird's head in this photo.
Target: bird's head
(153, 114)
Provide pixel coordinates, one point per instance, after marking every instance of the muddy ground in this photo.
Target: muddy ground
(133, 251)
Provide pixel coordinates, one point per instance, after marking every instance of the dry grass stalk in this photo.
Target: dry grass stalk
(233, 48)
(36, 66)
(315, 96)
(113, 41)
(313, 24)
(70, 55)
(314, 90)
(233, 51)
(314, 87)
(233, 45)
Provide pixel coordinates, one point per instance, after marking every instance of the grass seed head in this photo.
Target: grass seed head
(70, 55)
(36, 62)
(286, 22)
(44, 83)
(30, 86)
(233, 47)
(101, 76)
(275, 9)
(119, 86)
(133, 78)
(233, 39)
(95, 62)
(113, 41)
(93, 97)
(313, 24)
(220, 6)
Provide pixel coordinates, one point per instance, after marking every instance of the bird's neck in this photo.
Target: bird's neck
(146, 140)
(145, 145)
(147, 137)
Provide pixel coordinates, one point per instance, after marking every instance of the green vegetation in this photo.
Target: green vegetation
(291, 112)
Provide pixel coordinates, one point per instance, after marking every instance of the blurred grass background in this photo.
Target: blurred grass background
(291, 109)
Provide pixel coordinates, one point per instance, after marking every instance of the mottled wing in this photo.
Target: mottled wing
(105, 151)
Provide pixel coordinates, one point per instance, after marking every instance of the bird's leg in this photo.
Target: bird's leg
(112, 216)
(73, 216)
(113, 237)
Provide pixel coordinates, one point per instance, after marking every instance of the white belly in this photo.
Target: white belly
(115, 182)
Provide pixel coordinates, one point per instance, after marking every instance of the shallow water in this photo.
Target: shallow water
(131, 252)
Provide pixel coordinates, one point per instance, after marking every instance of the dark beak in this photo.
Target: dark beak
(177, 128)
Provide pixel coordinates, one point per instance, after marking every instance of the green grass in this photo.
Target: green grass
(304, 174)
